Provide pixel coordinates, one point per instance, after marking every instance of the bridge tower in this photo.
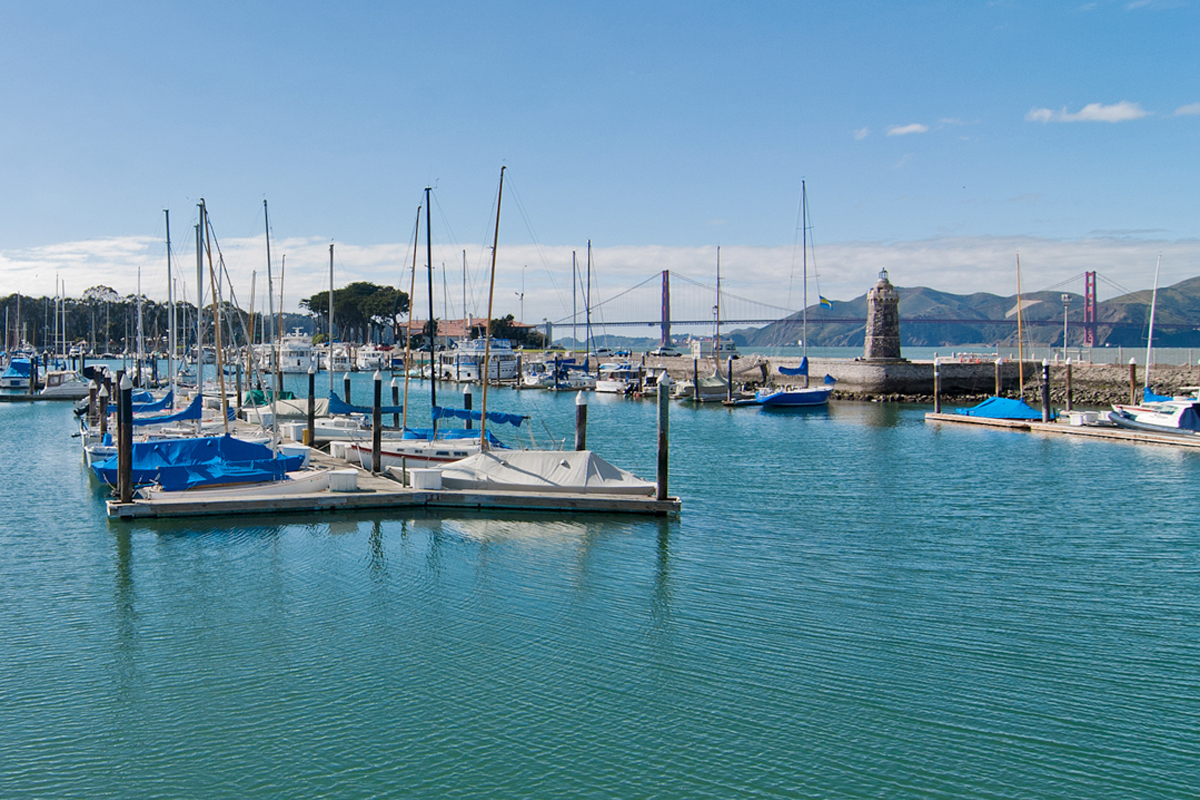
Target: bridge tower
(1089, 309)
(666, 308)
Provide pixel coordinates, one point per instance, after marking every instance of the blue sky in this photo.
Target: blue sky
(937, 139)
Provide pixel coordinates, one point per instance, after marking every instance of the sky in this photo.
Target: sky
(937, 140)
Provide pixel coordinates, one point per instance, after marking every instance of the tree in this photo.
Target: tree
(357, 307)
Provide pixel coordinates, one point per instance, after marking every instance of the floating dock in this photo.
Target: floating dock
(383, 492)
(1110, 432)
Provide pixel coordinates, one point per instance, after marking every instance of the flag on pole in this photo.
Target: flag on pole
(826, 302)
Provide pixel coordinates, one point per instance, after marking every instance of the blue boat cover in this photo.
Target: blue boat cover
(17, 368)
(140, 396)
(1148, 396)
(451, 433)
(830, 380)
(493, 416)
(1002, 408)
(192, 412)
(156, 405)
(339, 406)
(178, 464)
(800, 370)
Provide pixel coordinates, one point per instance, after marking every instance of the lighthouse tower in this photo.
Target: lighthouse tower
(883, 321)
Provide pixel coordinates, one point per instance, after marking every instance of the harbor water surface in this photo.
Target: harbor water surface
(853, 603)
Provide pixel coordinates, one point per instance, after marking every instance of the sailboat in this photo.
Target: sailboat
(798, 396)
(1157, 412)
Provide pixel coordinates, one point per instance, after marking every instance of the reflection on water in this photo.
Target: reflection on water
(851, 604)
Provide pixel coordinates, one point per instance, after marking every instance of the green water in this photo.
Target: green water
(853, 604)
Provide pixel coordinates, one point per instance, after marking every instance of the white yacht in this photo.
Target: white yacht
(462, 363)
(296, 353)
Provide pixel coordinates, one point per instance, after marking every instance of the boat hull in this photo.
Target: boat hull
(794, 398)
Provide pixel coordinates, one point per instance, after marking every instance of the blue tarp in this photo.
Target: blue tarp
(192, 412)
(1148, 396)
(339, 406)
(800, 370)
(17, 368)
(178, 464)
(157, 405)
(449, 434)
(1002, 408)
(493, 416)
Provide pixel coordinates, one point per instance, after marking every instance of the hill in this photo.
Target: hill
(929, 318)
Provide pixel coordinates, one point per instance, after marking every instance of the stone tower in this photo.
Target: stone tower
(883, 321)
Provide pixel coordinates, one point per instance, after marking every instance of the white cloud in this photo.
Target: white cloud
(1190, 110)
(1092, 112)
(904, 130)
(861, 134)
(845, 270)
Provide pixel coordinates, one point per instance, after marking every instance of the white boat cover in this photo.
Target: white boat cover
(578, 471)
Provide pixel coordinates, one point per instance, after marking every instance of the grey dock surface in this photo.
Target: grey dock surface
(380, 492)
(1111, 433)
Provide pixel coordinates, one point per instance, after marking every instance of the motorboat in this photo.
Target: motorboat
(1179, 415)
(619, 378)
(793, 396)
(462, 362)
(65, 384)
(296, 353)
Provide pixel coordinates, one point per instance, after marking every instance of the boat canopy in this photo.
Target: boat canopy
(1002, 408)
(262, 397)
(156, 405)
(445, 434)
(1149, 396)
(339, 406)
(800, 370)
(493, 416)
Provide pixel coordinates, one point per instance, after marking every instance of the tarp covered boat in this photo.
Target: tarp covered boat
(178, 464)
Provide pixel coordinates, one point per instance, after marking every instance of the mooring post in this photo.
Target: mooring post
(467, 400)
(395, 403)
(999, 383)
(346, 387)
(92, 389)
(580, 421)
(125, 441)
(937, 387)
(33, 366)
(1133, 398)
(664, 413)
(102, 395)
(1068, 383)
(377, 425)
(729, 380)
(310, 438)
(1045, 390)
(695, 380)
(238, 384)
(520, 372)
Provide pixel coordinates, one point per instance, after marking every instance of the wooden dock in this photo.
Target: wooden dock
(383, 492)
(1109, 432)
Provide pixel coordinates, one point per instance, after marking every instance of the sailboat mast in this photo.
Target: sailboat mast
(717, 314)
(574, 305)
(329, 363)
(412, 287)
(487, 343)
(200, 305)
(274, 356)
(432, 324)
(1150, 333)
(170, 311)
(220, 365)
(587, 300)
(1020, 337)
(804, 262)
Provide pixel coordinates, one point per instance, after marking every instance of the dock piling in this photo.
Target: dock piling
(664, 414)
(377, 426)
(581, 421)
(310, 433)
(125, 441)
(1045, 390)
(346, 386)
(395, 403)
(1133, 398)
(999, 383)
(468, 399)
(102, 396)
(937, 387)
(1069, 383)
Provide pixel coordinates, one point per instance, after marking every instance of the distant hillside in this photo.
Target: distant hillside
(929, 318)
